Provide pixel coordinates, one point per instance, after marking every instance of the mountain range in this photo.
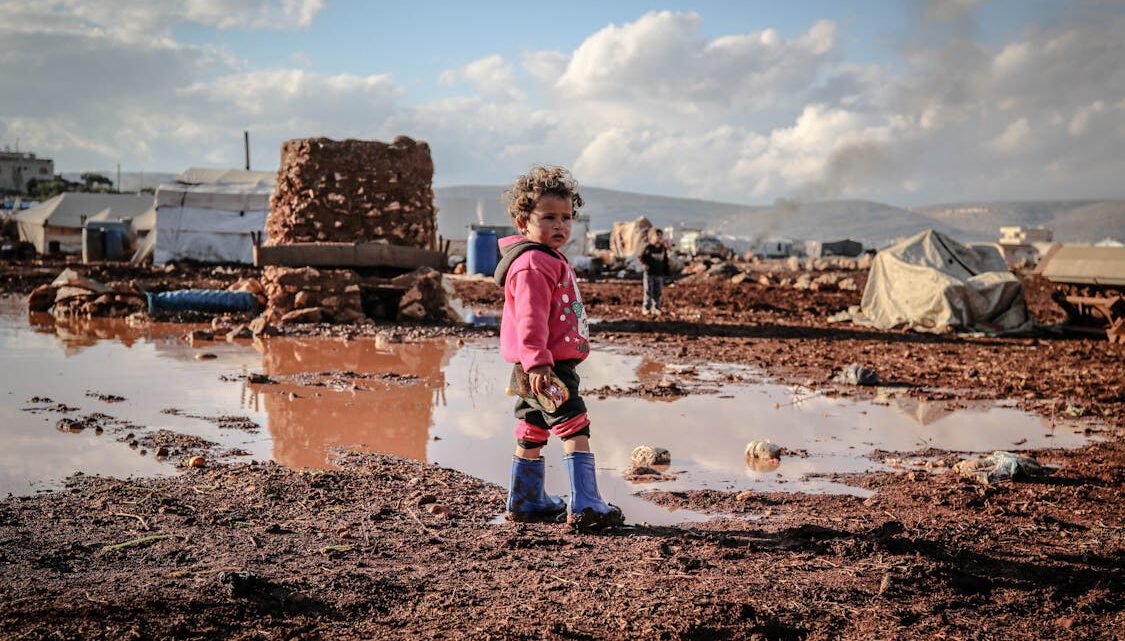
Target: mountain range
(875, 224)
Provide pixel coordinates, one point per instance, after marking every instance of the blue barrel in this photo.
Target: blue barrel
(114, 244)
(483, 252)
(202, 300)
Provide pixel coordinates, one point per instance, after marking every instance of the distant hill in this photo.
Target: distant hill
(1080, 221)
(874, 223)
(459, 206)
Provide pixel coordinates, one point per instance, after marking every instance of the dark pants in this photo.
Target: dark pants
(534, 425)
(654, 287)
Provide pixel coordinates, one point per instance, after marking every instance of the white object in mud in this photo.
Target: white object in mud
(762, 450)
(647, 456)
(998, 466)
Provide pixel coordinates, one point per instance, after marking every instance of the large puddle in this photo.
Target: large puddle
(443, 403)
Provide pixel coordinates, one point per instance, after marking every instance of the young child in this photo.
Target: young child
(654, 259)
(543, 331)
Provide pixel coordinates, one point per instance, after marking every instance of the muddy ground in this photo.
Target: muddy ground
(388, 548)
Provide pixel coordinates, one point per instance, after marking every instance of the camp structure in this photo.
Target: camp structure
(56, 224)
(931, 283)
(628, 239)
(209, 215)
(821, 248)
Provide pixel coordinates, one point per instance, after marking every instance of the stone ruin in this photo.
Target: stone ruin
(354, 191)
(350, 191)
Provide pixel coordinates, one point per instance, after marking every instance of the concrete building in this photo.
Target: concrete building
(18, 168)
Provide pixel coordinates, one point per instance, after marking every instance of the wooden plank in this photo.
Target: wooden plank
(347, 255)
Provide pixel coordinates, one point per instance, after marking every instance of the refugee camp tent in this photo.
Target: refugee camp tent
(209, 215)
(628, 239)
(931, 283)
(61, 219)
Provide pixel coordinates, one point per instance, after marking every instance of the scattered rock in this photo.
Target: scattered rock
(763, 450)
(205, 356)
(647, 456)
(305, 315)
(199, 335)
(196, 461)
(240, 332)
(856, 374)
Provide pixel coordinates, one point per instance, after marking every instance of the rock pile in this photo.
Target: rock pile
(72, 295)
(310, 295)
(353, 191)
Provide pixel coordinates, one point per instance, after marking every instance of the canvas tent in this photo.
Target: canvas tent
(628, 239)
(931, 283)
(209, 215)
(61, 219)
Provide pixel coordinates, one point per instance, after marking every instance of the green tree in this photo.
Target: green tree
(96, 182)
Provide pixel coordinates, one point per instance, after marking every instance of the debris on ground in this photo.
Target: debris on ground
(647, 456)
(763, 450)
(999, 466)
(856, 374)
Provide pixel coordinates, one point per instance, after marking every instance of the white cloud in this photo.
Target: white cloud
(647, 105)
(491, 76)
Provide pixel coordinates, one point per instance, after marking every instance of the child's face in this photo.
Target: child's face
(550, 222)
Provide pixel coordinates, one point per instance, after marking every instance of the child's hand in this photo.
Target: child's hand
(539, 378)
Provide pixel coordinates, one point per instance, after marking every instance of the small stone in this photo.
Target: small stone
(205, 356)
(240, 332)
(162, 452)
(196, 461)
(426, 499)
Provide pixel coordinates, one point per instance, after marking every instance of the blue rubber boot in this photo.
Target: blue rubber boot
(587, 509)
(527, 500)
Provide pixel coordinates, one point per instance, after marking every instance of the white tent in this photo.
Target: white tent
(209, 215)
(61, 219)
(931, 283)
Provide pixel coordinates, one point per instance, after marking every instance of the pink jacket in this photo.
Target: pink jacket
(544, 320)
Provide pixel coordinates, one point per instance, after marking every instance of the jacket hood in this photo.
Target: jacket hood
(511, 248)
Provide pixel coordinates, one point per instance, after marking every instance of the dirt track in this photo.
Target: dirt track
(357, 553)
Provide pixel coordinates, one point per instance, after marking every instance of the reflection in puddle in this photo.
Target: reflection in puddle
(384, 416)
(437, 402)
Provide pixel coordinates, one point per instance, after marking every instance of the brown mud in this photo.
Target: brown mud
(385, 547)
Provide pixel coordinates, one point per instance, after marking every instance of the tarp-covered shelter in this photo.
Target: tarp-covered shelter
(628, 239)
(209, 215)
(61, 219)
(931, 283)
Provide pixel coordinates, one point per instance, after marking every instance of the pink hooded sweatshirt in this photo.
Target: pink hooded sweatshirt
(544, 320)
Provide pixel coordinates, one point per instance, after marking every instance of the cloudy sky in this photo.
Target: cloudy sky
(903, 102)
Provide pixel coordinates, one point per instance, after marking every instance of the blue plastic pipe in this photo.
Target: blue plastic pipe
(202, 300)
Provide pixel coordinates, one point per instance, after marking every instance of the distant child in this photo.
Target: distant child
(543, 331)
(654, 258)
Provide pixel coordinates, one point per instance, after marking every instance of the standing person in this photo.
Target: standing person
(654, 259)
(544, 332)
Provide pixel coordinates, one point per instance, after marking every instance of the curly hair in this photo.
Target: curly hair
(541, 180)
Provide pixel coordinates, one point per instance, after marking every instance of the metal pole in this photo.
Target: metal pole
(119, 190)
(246, 147)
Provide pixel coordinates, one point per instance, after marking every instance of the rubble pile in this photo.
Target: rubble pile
(353, 191)
(310, 295)
(71, 295)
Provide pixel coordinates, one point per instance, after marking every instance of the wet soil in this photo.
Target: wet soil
(390, 548)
